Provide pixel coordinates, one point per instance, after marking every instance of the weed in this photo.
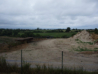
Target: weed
(6, 67)
(76, 39)
(84, 49)
(95, 40)
(89, 43)
(79, 41)
(26, 69)
(95, 48)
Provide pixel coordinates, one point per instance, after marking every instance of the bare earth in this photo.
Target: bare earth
(49, 52)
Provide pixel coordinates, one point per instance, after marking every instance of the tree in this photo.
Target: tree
(38, 29)
(96, 31)
(68, 29)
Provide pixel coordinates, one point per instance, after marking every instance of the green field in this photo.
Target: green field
(57, 35)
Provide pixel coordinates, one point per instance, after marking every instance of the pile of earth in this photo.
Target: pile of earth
(83, 36)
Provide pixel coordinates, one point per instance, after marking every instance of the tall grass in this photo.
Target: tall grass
(7, 68)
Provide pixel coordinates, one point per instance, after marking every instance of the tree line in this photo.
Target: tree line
(30, 33)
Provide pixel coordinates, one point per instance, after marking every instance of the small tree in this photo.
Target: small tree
(96, 31)
(38, 29)
(68, 29)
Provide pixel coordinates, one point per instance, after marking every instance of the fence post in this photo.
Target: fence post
(21, 61)
(62, 62)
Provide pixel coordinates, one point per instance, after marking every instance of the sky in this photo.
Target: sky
(48, 14)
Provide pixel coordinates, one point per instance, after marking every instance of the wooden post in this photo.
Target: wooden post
(21, 61)
(62, 62)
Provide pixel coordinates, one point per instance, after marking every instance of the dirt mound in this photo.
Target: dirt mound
(95, 36)
(83, 36)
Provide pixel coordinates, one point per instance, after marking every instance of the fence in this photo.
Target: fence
(56, 59)
(13, 59)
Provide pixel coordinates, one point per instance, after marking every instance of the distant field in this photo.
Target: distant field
(57, 35)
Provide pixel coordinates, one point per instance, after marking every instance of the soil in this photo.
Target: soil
(49, 52)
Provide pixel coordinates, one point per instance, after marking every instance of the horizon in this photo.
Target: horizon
(47, 28)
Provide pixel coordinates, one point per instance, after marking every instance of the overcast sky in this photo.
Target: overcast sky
(30, 14)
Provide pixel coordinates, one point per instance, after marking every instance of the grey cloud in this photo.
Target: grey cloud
(48, 13)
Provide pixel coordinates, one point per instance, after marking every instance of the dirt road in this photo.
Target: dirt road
(49, 52)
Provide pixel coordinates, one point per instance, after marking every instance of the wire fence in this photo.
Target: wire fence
(19, 59)
(60, 61)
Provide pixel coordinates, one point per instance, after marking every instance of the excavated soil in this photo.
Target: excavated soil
(49, 52)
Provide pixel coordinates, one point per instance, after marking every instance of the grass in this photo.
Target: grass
(79, 41)
(83, 49)
(7, 68)
(95, 40)
(95, 48)
(57, 35)
(90, 43)
(76, 39)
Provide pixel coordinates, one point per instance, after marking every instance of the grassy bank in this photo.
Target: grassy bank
(6, 68)
(8, 43)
